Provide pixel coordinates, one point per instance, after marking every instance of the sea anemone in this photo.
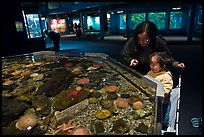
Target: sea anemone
(83, 81)
(121, 103)
(96, 66)
(112, 88)
(137, 105)
(26, 122)
(68, 65)
(81, 131)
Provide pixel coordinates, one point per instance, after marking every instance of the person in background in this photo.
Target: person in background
(145, 41)
(79, 33)
(91, 29)
(75, 27)
(79, 26)
(79, 30)
(55, 37)
(160, 63)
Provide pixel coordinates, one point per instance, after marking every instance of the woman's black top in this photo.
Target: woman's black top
(132, 50)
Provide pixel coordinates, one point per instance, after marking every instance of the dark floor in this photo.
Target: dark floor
(188, 52)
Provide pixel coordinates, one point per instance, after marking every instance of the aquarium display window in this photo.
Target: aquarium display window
(199, 20)
(19, 26)
(58, 25)
(176, 20)
(122, 21)
(75, 21)
(32, 24)
(136, 19)
(94, 22)
(44, 24)
(158, 18)
(108, 19)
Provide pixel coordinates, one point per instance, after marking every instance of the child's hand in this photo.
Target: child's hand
(181, 65)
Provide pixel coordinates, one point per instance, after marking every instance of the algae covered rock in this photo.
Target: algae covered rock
(96, 76)
(59, 80)
(12, 108)
(93, 100)
(66, 98)
(97, 127)
(95, 94)
(106, 104)
(25, 97)
(142, 128)
(42, 104)
(23, 89)
(112, 96)
(120, 126)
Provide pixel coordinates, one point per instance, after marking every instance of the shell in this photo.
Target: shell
(26, 121)
(34, 74)
(83, 81)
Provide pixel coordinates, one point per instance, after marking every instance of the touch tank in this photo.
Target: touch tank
(67, 93)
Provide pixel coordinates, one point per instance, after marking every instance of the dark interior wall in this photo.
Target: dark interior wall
(13, 42)
(16, 42)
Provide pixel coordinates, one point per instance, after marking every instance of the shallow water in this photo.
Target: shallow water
(23, 73)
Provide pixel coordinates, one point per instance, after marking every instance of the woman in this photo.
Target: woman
(145, 41)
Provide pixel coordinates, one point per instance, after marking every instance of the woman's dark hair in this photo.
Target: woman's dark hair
(164, 59)
(146, 26)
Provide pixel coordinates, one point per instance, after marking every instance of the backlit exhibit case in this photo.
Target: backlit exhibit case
(19, 26)
(58, 25)
(67, 93)
(32, 24)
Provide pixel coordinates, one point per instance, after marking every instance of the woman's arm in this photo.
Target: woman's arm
(128, 51)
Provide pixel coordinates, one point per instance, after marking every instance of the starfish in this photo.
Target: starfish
(54, 132)
(65, 126)
(74, 92)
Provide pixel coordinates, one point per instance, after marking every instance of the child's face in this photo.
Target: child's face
(154, 64)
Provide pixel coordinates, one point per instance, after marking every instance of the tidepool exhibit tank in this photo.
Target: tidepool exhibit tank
(66, 93)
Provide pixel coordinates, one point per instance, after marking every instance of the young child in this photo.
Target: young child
(160, 62)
